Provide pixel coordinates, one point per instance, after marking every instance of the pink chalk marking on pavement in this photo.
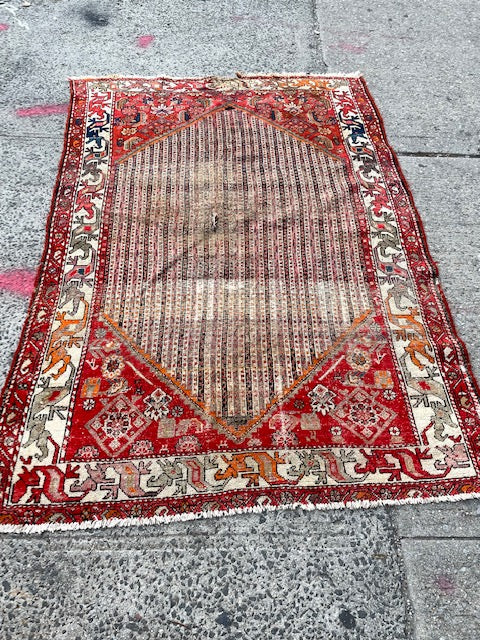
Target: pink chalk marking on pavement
(348, 47)
(445, 584)
(145, 41)
(4, 26)
(241, 17)
(20, 281)
(41, 110)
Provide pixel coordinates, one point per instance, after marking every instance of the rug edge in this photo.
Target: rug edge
(437, 279)
(237, 74)
(42, 263)
(129, 521)
(204, 515)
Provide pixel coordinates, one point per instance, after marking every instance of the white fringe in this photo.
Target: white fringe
(238, 74)
(183, 517)
(354, 74)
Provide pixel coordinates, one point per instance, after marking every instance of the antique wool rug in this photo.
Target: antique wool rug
(236, 310)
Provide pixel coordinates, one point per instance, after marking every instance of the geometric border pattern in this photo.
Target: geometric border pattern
(40, 490)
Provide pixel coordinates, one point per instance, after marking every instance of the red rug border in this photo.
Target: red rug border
(92, 515)
(423, 237)
(42, 265)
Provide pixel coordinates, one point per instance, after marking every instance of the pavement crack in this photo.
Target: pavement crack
(437, 154)
(317, 45)
(409, 610)
(437, 538)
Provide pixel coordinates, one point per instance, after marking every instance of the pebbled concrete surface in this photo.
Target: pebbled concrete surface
(301, 575)
(399, 573)
(26, 197)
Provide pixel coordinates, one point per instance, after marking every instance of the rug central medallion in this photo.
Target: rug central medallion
(228, 264)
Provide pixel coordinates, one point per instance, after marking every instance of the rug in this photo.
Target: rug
(236, 311)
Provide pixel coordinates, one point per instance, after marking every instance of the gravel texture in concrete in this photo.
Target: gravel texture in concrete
(279, 575)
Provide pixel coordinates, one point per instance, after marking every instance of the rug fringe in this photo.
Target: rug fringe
(238, 74)
(353, 74)
(184, 517)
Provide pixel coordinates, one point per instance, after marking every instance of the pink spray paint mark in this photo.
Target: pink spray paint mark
(41, 110)
(18, 281)
(445, 584)
(4, 26)
(145, 41)
(348, 47)
(241, 17)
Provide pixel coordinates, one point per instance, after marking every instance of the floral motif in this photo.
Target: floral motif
(117, 425)
(389, 394)
(359, 359)
(87, 452)
(142, 448)
(363, 413)
(157, 404)
(321, 399)
(188, 444)
(162, 108)
(176, 411)
(113, 366)
(284, 439)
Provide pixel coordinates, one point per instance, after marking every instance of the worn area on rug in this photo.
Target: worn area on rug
(236, 310)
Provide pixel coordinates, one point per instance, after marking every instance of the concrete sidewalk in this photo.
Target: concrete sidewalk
(388, 574)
